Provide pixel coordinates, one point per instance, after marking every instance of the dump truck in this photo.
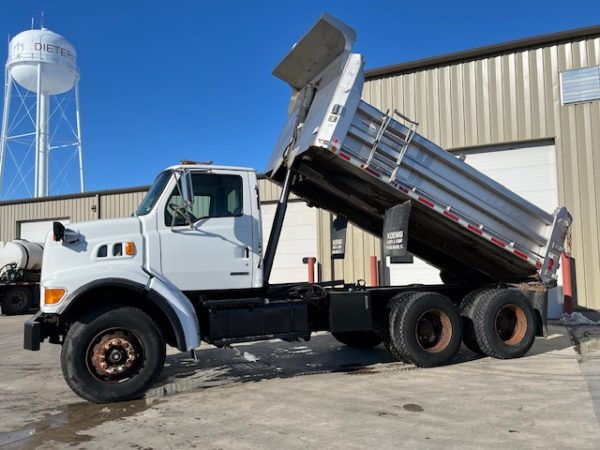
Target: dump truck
(191, 265)
(20, 268)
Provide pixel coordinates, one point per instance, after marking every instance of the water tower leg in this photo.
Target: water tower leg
(37, 132)
(41, 139)
(42, 145)
(79, 144)
(5, 114)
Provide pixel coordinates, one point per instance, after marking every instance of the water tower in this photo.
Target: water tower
(41, 77)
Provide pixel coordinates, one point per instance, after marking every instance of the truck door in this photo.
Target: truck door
(216, 251)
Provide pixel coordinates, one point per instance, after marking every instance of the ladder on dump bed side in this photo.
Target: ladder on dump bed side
(401, 143)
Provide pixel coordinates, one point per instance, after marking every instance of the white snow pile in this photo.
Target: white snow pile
(250, 357)
(576, 318)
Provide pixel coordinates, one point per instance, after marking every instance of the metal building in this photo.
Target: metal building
(526, 113)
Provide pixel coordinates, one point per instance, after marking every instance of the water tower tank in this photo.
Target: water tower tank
(57, 55)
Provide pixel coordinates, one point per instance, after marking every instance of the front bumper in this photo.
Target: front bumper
(38, 328)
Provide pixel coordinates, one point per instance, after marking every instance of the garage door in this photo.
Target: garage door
(36, 231)
(530, 171)
(298, 240)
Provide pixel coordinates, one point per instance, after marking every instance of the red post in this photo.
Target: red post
(311, 269)
(374, 277)
(565, 263)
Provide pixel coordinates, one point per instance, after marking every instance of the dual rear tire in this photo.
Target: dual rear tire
(426, 328)
(498, 322)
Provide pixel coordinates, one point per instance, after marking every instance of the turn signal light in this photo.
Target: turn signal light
(53, 295)
(129, 248)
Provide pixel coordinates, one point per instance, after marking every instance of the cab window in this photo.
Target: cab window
(214, 196)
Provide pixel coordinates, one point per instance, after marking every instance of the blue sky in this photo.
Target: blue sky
(168, 80)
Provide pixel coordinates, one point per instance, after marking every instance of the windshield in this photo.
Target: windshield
(154, 193)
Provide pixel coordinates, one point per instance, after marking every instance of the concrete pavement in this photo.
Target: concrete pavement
(306, 395)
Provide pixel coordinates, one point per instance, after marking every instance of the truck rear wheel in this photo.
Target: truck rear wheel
(467, 307)
(17, 300)
(425, 329)
(112, 354)
(358, 339)
(504, 323)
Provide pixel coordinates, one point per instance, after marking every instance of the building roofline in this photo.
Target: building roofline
(54, 198)
(489, 50)
(78, 195)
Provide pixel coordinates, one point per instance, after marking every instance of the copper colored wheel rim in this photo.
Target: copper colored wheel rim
(114, 355)
(511, 324)
(433, 331)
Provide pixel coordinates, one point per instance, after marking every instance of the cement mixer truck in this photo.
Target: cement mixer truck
(20, 268)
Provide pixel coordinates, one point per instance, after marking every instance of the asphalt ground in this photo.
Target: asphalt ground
(312, 394)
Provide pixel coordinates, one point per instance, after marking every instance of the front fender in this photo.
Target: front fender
(182, 307)
(171, 301)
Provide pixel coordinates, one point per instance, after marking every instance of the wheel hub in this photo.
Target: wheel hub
(511, 324)
(433, 331)
(18, 300)
(115, 355)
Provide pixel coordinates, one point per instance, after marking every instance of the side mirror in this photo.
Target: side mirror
(187, 189)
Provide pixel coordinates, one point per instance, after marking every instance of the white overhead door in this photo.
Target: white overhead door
(530, 171)
(36, 231)
(298, 240)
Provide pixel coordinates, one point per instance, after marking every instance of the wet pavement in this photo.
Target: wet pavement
(307, 394)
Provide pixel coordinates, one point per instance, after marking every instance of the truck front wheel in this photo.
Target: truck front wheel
(112, 354)
(425, 329)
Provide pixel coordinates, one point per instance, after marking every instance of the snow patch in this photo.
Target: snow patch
(250, 357)
(576, 318)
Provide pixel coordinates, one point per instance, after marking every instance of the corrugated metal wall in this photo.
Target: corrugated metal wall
(360, 245)
(79, 209)
(103, 205)
(510, 98)
(120, 205)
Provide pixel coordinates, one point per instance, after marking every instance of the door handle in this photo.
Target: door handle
(247, 252)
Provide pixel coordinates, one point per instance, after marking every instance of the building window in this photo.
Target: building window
(580, 85)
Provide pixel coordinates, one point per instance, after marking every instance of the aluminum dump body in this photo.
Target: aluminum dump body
(357, 161)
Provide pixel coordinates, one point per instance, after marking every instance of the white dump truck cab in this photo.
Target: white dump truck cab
(212, 242)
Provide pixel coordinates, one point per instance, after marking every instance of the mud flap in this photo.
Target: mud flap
(395, 230)
(539, 301)
(338, 237)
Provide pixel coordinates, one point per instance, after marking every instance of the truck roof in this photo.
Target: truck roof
(205, 166)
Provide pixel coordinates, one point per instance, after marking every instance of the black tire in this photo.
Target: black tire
(17, 300)
(504, 323)
(466, 312)
(387, 338)
(358, 339)
(425, 329)
(126, 334)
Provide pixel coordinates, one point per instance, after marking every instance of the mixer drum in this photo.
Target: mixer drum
(26, 255)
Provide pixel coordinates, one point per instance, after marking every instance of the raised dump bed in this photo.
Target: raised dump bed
(357, 161)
